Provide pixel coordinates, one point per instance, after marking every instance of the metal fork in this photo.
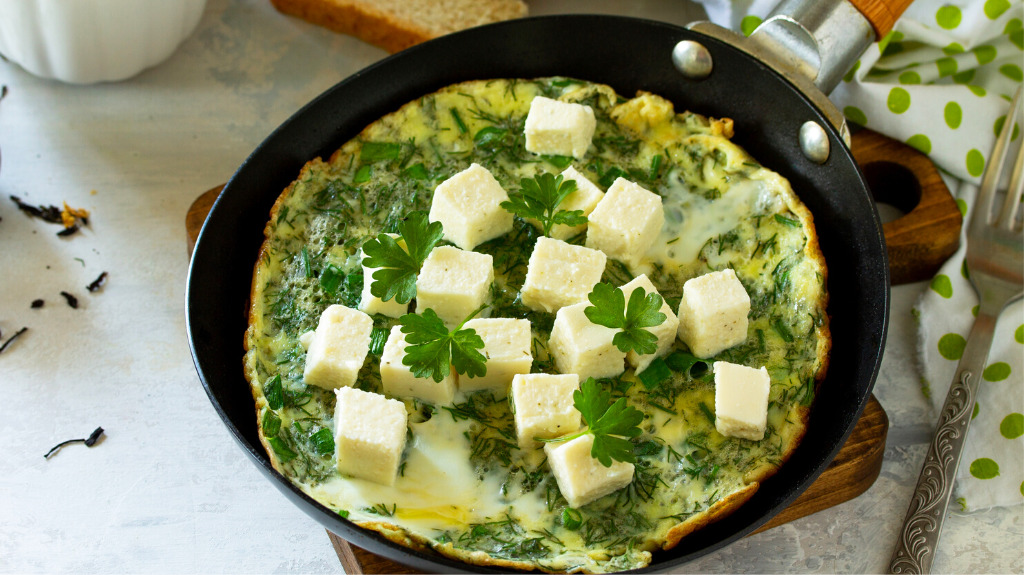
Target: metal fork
(995, 259)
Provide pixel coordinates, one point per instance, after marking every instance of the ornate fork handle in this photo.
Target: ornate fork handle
(919, 536)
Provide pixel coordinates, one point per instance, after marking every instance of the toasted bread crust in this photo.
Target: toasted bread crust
(363, 22)
(386, 28)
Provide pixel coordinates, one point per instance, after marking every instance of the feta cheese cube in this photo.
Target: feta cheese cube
(585, 199)
(454, 283)
(468, 206)
(581, 478)
(397, 379)
(306, 339)
(507, 347)
(559, 128)
(626, 222)
(338, 348)
(543, 406)
(741, 400)
(560, 274)
(665, 332)
(713, 313)
(369, 435)
(584, 348)
(371, 304)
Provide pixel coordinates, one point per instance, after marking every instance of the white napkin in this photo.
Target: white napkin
(941, 81)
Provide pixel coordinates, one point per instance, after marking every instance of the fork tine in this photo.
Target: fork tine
(990, 180)
(1011, 203)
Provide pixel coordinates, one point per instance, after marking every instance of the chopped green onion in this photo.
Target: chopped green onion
(572, 519)
(331, 278)
(305, 263)
(322, 441)
(374, 151)
(560, 162)
(378, 337)
(683, 362)
(271, 424)
(707, 412)
(613, 173)
(458, 121)
(713, 473)
(647, 448)
(787, 221)
(782, 330)
(655, 374)
(282, 449)
(655, 166)
(416, 172)
(362, 175)
(489, 137)
(274, 393)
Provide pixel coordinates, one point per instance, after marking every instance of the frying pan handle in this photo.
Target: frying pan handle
(881, 13)
(919, 242)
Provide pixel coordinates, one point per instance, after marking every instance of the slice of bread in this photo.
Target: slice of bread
(397, 24)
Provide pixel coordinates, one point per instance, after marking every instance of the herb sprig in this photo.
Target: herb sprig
(609, 423)
(433, 350)
(610, 310)
(399, 267)
(539, 200)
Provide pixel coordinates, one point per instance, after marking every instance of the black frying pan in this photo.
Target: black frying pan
(629, 55)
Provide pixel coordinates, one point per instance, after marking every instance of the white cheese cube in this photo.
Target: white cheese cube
(371, 304)
(338, 348)
(559, 128)
(713, 313)
(584, 348)
(543, 406)
(369, 435)
(507, 347)
(560, 274)
(584, 199)
(665, 332)
(741, 400)
(397, 379)
(626, 222)
(306, 339)
(468, 207)
(454, 283)
(581, 478)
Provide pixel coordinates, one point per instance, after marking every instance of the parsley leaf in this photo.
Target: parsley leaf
(433, 350)
(539, 200)
(609, 422)
(399, 267)
(610, 310)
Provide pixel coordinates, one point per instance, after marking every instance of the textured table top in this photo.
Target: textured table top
(167, 490)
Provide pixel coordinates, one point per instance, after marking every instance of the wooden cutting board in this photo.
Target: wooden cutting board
(918, 243)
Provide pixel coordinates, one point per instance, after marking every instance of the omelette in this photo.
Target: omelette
(465, 488)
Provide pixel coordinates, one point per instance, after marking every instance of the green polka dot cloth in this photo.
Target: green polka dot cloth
(991, 470)
(941, 81)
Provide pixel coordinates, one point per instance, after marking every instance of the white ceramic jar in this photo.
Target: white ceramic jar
(88, 41)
